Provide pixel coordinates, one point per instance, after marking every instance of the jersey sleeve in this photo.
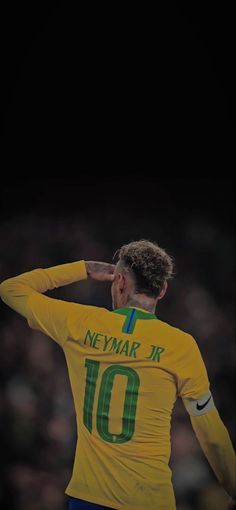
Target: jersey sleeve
(24, 294)
(217, 446)
(192, 378)
(53, 316)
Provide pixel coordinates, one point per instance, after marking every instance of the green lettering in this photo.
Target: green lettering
(156, 352)
(125, 348)
(96, 339)
(89, 336)
(106, 341)
(134, 347)
(116, 345)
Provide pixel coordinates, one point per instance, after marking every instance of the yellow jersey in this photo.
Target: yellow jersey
(126, 369)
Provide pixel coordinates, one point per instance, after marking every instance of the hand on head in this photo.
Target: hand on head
(101, 271)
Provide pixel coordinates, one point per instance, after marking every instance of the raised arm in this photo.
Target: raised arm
(101, 271)
(16, 291)
(24, 294)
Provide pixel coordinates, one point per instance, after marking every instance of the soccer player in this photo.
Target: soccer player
(126, 370)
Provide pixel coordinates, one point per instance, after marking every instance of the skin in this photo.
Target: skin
(123, 286)
(124, 294)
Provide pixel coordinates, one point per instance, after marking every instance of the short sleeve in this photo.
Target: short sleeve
(192, 378)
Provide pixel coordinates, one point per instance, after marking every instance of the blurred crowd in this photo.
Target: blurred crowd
(38, 430)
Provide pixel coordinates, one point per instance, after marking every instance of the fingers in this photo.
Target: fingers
(110, 268)
(102, 271)
(110, 277)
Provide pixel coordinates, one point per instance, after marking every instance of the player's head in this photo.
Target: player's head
(141, 272)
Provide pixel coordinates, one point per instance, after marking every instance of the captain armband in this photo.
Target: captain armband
(200, 406)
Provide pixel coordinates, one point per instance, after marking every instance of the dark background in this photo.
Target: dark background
(110, 116)
(120, 85)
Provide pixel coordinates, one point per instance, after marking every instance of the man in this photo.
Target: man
(126, 369)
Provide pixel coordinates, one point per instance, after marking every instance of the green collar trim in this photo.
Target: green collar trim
(133, 314)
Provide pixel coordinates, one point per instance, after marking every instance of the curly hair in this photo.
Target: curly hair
(149, 264)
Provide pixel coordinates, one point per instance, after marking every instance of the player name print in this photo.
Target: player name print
(106, 343)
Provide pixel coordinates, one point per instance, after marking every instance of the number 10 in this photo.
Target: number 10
(104, 398)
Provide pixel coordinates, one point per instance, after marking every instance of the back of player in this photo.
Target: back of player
(126, 368)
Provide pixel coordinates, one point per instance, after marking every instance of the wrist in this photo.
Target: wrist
(88, 267)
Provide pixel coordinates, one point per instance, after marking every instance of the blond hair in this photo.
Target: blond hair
(149, 264)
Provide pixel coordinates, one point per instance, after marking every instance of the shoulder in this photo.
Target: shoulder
(84, 316)
(78, 310)
(177, 334)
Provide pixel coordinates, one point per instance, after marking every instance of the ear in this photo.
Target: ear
(163, 290)
(121, 281)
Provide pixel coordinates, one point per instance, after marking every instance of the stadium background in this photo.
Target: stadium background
(68, 219)
(85, 93)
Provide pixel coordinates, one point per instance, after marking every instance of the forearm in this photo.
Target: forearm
(16, 291)
(101, 271)
(216, 444)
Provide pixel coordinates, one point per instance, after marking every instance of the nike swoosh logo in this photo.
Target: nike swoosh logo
(200, 407)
